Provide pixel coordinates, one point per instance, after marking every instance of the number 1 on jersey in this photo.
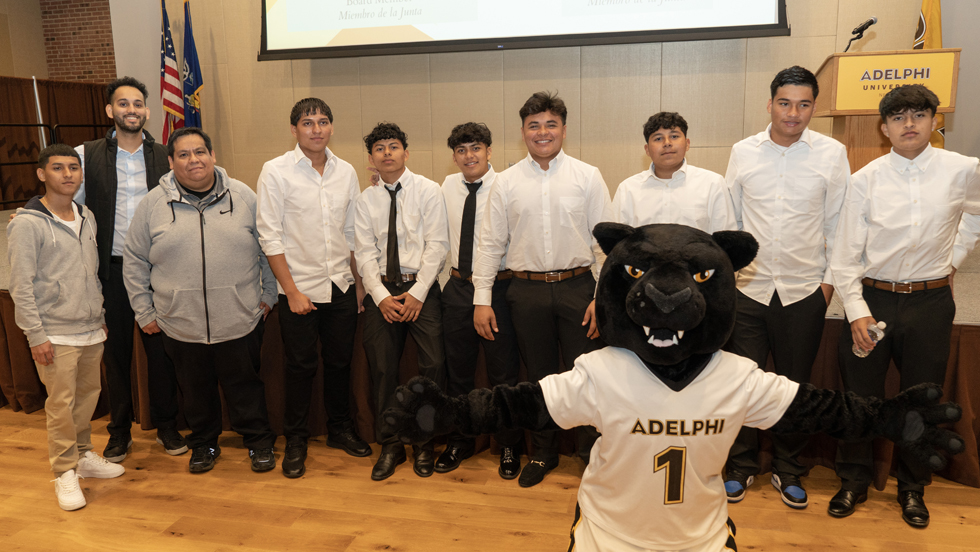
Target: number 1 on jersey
(674, 460)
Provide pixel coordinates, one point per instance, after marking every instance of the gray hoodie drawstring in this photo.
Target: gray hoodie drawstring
(51, 228)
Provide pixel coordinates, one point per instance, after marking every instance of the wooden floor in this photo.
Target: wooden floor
(158, 505)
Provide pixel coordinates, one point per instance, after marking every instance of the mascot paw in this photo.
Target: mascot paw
(418, 412)
(912, 420)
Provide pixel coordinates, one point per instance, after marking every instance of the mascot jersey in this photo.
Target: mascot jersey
(667, 448)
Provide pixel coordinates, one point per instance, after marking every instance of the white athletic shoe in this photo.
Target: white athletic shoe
(69, 494)
(93, 465)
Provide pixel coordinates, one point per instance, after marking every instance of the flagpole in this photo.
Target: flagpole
(40, 120)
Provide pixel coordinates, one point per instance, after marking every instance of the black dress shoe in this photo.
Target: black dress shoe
(294, 460)
(263, 460)
(349, 442)
(534, 472)
(450, 458)
(202, 458)
(390, 457)
(510, 463)
(843, 503)
(425, 459)
(914, 510)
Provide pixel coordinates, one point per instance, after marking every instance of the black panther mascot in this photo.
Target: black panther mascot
(666, 400)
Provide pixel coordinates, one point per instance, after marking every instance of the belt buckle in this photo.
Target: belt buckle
(551, 277)
(907, 291)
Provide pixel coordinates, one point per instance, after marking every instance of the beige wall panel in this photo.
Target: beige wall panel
(6, 53)
(219, 118)
(466, 86)
(812, 17)
(705, 83)
(545, 69)
(337, 82)
(249, 165)
(396, 89)
(895, 29)
(210, 39)
(768, 56)
(823, 125)
(620, 90)
(420, 162)
(262, 91)
(713, 159)
(26, 35)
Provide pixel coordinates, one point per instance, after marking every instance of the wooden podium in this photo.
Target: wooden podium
(852, 85)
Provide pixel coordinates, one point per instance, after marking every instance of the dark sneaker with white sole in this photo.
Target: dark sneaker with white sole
(736, 483)
(202, 458)
(791, 490)
(117, 447)
(172, 441)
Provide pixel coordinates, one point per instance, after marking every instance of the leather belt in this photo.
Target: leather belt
(502, 275)
(552, 276)
(405, 278)
(116, 259)
(906, 287)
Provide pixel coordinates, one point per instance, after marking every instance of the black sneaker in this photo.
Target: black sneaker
(115, 449)
(294, 460)
(202, 458)
(790, 489)
(172, 441)
(349, 442)
(534, 472)
(510, 463)
(736, 483)
(263, 459)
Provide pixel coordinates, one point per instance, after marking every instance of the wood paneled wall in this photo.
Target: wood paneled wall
(720, 87)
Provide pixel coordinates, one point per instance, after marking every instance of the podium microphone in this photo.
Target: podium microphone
(858, 31)
(864, 26)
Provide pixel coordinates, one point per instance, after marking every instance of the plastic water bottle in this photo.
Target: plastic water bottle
(876, 332)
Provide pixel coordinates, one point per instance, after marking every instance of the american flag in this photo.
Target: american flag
(170, 83)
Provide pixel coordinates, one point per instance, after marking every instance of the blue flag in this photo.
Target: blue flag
(193, 83)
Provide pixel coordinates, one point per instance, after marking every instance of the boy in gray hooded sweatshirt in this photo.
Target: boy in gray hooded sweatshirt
(58, 304)
(194, 270)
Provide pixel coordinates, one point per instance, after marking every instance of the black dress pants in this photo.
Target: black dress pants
(463, 347)
(235, 365)
(547, 318)
(333, 324)
(384, 343)
(118, 358)
(792, 333)
(919, 325)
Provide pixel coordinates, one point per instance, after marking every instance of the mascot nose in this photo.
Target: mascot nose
(667, 303)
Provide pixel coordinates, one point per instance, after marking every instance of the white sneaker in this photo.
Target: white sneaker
(69, 494)
(93, 465)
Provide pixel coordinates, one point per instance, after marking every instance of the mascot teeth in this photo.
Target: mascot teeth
(663, 338)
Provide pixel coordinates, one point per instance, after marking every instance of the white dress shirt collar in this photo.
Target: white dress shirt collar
(651, 173)
(805, 138)
(552, 166)
(902, 164)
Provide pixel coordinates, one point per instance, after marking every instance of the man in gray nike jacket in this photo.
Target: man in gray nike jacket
(195, 271)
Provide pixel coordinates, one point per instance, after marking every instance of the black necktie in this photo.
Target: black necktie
(394, 269)
(466, 230)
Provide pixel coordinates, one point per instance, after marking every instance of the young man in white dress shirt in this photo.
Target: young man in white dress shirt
(402, 238)
(306, 228)
(910, 218)
(787, 185)
(540, 214)
(671, 190)
(466, 194)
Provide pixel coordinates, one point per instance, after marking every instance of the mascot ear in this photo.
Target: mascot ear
(740, 246)
(608, 234)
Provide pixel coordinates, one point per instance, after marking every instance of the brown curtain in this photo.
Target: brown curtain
(62, 103)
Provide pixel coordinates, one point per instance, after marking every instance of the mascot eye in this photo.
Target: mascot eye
(634, 272)
(703, 276)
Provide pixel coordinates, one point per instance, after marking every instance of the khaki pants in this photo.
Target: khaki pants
(73, 382)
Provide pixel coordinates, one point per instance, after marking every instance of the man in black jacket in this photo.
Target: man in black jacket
(118, 172)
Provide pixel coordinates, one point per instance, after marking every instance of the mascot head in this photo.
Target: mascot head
(667, 292)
